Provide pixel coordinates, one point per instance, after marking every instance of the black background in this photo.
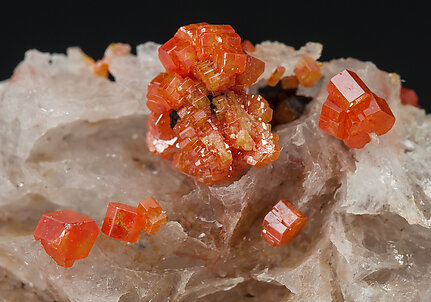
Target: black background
(394, 35)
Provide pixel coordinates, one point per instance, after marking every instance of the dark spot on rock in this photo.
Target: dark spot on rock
(287, 105)
(111, 77)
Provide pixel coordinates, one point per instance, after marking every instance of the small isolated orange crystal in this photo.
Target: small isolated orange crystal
(351, 112)
(307, 71)
(409, 97)
(122, 222)
(66, 236)
(282, 223)
(202, 118)
(276, 76)
(153, 215)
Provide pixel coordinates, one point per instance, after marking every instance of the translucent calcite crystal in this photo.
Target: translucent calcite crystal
(66, 236)
(215, 135)
(351, 111)
(282, 223)
(123, 222)
(73, 140)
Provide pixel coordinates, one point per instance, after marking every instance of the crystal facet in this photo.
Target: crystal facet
(66, 236)
(282, 223)
(351, 111)
(122, 222)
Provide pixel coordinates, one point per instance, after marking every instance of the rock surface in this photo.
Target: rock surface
(72, 140)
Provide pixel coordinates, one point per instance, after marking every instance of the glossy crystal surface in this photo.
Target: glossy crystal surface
(122, 222)
(352, 112)
(282, 223)
(66, 236)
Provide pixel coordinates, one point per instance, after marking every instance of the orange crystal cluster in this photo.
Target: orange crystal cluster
(201, 115)
(282, 223)
(351, 112)
(66, 236)
(125, 222)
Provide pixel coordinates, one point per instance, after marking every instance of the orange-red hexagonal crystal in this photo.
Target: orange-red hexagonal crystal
(276, 76)
(122, 222)
(66, 236)
(307, 71)
(409, 97)
(153, 215)
(282, 223)
(351, 112)
(218, 130)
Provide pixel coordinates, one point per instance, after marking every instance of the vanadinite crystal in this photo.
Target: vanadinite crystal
(409, 97)
(219, 129)
(282, 223)
(153, 215)
(351, 112)
(307, 71)
(66, 236)
(122, 222)
(276, 76)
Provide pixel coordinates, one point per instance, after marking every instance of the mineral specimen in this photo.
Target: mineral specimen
(66, 236)
(351, 111)
(70, 139)
(282, 223)
(123, 222)
(220, 130)
(153, 215)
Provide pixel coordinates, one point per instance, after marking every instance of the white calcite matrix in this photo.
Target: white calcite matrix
(72, 140)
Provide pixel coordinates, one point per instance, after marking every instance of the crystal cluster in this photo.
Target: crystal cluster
(202, 117)
(73, 140)
(351, 111)
(125, 222)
